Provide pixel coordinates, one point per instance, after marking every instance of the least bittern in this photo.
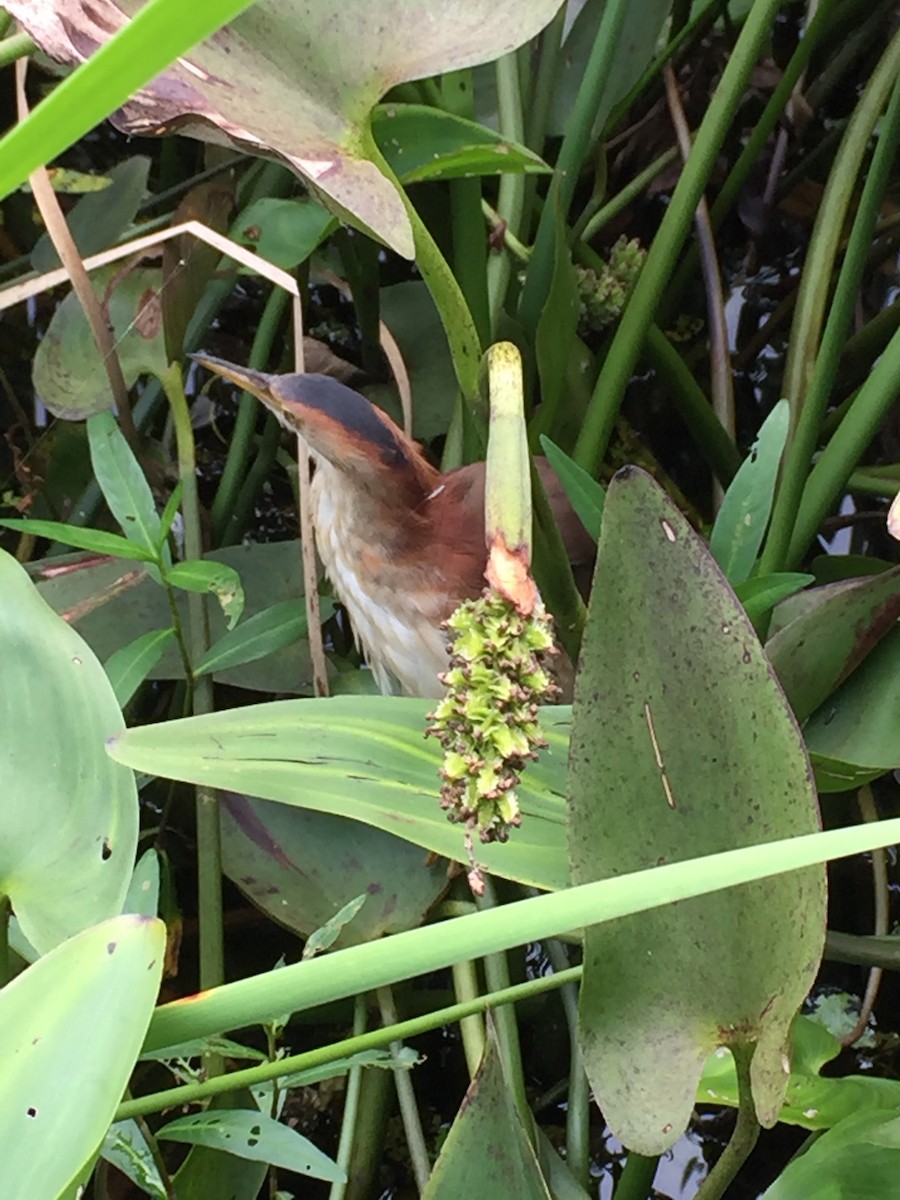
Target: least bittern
(402, 544)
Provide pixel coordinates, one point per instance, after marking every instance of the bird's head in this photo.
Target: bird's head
(338, 424)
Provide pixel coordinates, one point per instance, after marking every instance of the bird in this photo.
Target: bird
(402, 543)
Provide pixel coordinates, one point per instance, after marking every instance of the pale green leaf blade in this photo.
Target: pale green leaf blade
(97, 540)
(760, 593)
(363, 757)
(68, 820)
(78, 1015)
(585, 494)
(265, 633)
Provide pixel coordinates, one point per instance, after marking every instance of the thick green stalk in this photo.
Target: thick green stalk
(15, 47)
(239, 448)
(590, 449)
(813, 358)
(744, 1138)
(511, 194)
(578, 1097)
(209, 845)
(829, 476)
(571, 157)
(637, 1178)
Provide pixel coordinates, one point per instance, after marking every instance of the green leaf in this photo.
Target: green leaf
(265, 633)
(326, 935)
(170, 512)
(253, 1136)
(487, 1151)
(837, 626)
(68, 821)
(362, 757)
(760, 593)
(126, 1148)
(420, 143)
(82, 1009)
(143, 891)
(585, 494)
(860, 723)
(206, 575)
(301, 867)
(123, 483)
(555, 336)
(857, 1160)
(129, 667)
(68, 372)
(97, 540)
(296, 78)
(283, 231)
(99, 217)
(741, 524)
(673, 701)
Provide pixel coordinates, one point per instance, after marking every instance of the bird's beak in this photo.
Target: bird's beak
(255, 382)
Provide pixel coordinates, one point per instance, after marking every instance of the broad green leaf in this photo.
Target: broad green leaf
(744, 516)
(68, 373)
(298, 79)
(100, 217)
(71, 1027)
(68, 820)
(761, 593)
(673, 701)
(585, 494)
(488, 1151)
(859, 724)
(284, 232)
(262, 634)
(254, 1136)
(857, 1160)
(129, 667)
(326, 935)
(362, 757)
(302, 867)
(421, 143)
(207, 1173)
(837, 628)
(207, 575)
(123, 484)
(97, 540)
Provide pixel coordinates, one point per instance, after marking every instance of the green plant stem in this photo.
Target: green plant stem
(15, 47)
(578, 1100)
(744, 1137)
(835, 465)
(600, 419)
(813, 359)
(406, 1097)
(465, 988)
(248, 410)
(636, 1182)
(511, 193)
(5, 21)
(192, 1093)
(496, 974)
(866, 951)
(351, 1105)
(616, 204)
(571, 156)
(209, 846)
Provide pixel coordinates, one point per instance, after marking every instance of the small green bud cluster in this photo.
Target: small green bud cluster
(603, 296)
(487, 722)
